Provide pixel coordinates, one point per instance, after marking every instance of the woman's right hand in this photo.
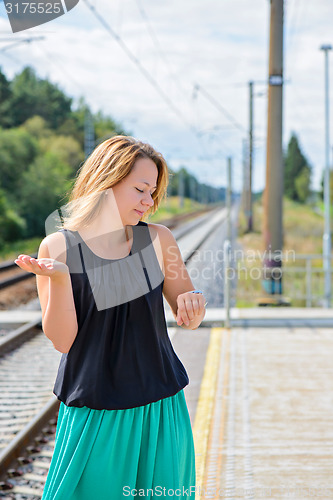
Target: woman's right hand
(44, 267)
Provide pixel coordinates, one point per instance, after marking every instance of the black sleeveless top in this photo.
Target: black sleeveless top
(122, 356)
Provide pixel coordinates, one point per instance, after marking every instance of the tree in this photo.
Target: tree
(331, 186)
(5, 97)
(106, 127)
(296, 166)
(37, 127)
(12, 226)
(34, 96)
(67, 149)
(45, 184)
(17, 150)
(302, 185)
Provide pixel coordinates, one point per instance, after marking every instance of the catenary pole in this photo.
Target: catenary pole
(273, 193)
(327, 226)
(250, 210)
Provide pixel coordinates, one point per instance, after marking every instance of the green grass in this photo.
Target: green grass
(28, 246)
(303, 234)
(321, 207)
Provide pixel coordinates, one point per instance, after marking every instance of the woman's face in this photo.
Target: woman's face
(133, 194)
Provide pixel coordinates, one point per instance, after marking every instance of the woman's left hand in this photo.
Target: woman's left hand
(190, 305)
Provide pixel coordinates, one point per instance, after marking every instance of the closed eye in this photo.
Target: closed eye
(140, 191)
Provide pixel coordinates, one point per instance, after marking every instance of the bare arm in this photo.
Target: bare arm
(55, 293)
(186, 307)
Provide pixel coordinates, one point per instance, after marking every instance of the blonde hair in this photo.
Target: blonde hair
(108, 164)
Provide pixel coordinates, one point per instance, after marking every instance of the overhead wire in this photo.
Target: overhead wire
(157, 45)
(147, 75)
(219, 107)
(137, 62)
(165, 60)
(51, 58)
(162, 55)
(292, 30)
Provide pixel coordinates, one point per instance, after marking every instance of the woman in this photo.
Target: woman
(123, 426)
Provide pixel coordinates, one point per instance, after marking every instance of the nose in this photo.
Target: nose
(148, 200)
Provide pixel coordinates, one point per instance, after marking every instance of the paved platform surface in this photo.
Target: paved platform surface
(264, 316)
(261, 405)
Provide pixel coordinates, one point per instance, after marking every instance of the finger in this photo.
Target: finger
(196, 306)
(189, 309)
(26, 258)
(28, 264)
(179, 320)
(182, 312)
(22, 261)
(35, 263)
(184, 315)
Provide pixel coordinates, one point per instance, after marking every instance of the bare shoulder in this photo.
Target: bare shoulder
(53, 246)
(162, 239)
(164, 234)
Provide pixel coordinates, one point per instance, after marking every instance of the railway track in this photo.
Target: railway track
(28, 412)
(27, 372)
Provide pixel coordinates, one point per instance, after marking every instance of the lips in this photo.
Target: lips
(138, 212)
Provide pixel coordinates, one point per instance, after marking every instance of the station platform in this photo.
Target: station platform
(264, 316)
(260, 403)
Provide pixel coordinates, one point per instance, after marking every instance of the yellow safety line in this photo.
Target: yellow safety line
(224, 411)
(225, 385)
(204, 412)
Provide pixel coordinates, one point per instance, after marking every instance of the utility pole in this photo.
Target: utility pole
(181, 188)
(89, 132)
(229, 194)
(249, 187)
(327, 226)
(245, 176)
(273, 194)
(192, 190)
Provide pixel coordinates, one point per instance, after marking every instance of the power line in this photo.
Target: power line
(165, 59)
(145, 73)
(219, 107)
(157, 45)
(24, 40)
(52, 58)
(292, 27)
(136, 61)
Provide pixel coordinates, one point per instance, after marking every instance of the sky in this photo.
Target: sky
(176, 73)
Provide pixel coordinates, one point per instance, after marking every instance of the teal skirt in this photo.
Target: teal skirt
(144, 452)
